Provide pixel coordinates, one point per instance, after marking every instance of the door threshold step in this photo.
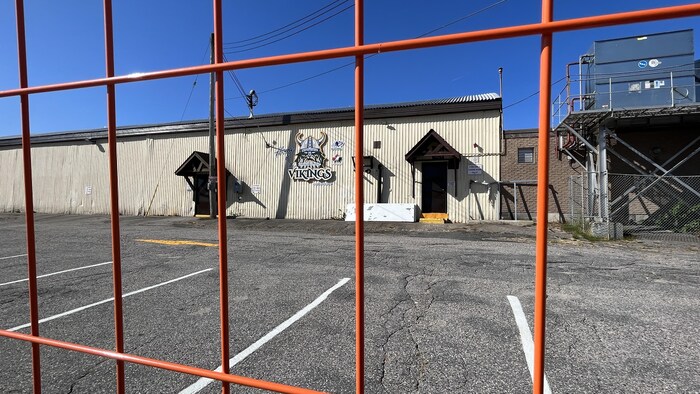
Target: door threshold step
(432, 220)
(434, 215)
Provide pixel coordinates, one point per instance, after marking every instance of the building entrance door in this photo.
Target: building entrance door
(201, 193)
(434, 188)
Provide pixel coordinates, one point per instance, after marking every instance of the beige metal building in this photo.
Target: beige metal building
(441, 155)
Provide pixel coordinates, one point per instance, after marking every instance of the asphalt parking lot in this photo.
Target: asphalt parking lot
(442, 307)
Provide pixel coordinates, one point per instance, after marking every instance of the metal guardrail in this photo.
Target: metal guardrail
(569, 100)
(520, 205)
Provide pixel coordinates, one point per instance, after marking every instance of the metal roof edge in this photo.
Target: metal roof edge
(470, 103)
(644, 35)
(525, 133)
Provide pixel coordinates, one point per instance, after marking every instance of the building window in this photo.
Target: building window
(526, 155)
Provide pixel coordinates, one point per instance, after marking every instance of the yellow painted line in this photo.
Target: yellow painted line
(175, 242)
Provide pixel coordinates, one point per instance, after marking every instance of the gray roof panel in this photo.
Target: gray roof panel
(478, 102)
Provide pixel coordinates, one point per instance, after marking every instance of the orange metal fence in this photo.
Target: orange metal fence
(546, 28)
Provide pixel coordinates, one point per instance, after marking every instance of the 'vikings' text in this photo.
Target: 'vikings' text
(308, 174)
(310, 161)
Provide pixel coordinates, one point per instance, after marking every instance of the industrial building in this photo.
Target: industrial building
(437, 156)
(631, 120)
(625, 143)
(519, 178)
(627, 138)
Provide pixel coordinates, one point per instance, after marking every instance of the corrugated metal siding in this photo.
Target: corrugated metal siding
(259, 158)
(60, 175)
(261, 168)
(11, 182)
(265, 169)
(75, 179)
(147, 180)
(461, 131)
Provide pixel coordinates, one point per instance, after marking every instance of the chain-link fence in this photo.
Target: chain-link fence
(654, 204)
(584, 202)
(651, 206)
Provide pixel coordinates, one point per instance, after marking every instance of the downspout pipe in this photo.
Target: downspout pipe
(379, 183)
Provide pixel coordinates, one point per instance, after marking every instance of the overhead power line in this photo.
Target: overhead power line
(306, 79)
(194, 84)
(290, 26)
(251, 98)
(462, 18)
(370, 56)
(262, 43)
(235, 80)
(532, 95)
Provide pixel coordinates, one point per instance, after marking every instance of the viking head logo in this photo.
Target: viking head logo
(310, 151)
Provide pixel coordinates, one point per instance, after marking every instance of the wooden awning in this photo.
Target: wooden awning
(196, 164)
(433, 147)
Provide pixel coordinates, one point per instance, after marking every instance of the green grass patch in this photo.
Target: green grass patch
(580, 230)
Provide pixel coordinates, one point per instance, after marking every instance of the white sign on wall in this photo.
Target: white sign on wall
(475, 169)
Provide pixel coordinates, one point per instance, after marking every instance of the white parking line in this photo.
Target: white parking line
(82, 308)
(56, 273)
(526, 339)
(203, 382)
(12, 257)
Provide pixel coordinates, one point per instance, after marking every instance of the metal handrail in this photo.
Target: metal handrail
(569, 97)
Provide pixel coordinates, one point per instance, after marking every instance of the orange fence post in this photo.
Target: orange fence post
(221, 192)
(28, 196)
(545, 29)
(542, 201)
(114, 195)
(165, 365)
(391, 46)
(359, 204)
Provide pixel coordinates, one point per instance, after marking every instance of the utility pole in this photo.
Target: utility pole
(211, 185)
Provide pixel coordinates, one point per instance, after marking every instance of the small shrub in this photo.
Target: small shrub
(681, 218)
(580, 230)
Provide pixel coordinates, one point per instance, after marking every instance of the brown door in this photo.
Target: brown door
(434, 187)
(201, 195)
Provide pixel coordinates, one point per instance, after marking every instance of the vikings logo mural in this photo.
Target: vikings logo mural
(310, 162)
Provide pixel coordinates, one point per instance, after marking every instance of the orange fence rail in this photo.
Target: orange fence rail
(546, 28)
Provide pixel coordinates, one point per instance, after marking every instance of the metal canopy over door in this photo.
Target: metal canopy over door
(195, 170)
(434, 189)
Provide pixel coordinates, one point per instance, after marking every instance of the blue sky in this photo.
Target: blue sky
(65, 43)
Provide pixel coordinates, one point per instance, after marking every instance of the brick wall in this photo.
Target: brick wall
(525, 174)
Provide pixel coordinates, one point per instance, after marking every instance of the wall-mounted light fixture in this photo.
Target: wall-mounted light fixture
(367, 163)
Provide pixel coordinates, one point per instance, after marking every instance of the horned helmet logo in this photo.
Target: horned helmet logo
(310, 151)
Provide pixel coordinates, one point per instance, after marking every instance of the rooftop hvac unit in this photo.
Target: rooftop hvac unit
(643, 71)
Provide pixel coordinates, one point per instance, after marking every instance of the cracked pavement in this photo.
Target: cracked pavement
(621, 316)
